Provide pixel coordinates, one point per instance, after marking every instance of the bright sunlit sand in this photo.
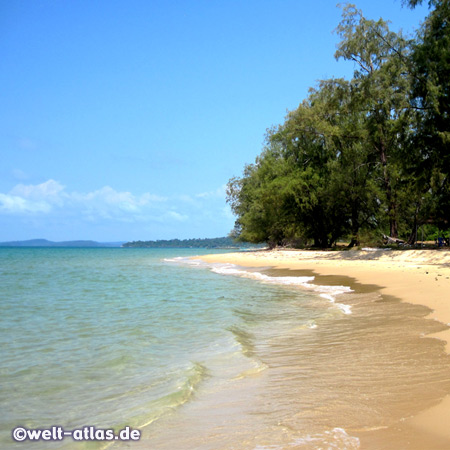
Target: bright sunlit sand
(419, 277)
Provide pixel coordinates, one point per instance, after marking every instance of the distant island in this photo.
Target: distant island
(220, 242)
(47, 243)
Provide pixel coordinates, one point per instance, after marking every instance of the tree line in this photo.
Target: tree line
(359, 158)
(220, 242)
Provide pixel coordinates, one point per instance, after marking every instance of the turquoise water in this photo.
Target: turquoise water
(108, 337)
(204, 356)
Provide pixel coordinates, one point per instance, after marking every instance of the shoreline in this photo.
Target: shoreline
(420, 277)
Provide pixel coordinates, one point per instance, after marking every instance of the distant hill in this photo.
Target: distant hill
(221, 242)
(46, 243)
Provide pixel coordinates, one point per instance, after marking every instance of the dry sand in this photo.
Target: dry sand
(415, 276)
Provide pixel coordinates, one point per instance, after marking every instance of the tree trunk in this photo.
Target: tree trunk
(321, 241)
(392, 206)
(354, 227)
(354, 242)
(413, 236)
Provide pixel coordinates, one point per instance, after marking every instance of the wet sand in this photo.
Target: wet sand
(420, 277)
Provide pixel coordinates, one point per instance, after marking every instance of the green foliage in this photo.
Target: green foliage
(358, 158)
(413, 3)
(433, 233)
(222, 242)
(430, 98)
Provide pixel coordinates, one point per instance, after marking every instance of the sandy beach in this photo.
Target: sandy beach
(416, 276)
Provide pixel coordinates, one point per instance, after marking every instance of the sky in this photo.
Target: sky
(124, 120)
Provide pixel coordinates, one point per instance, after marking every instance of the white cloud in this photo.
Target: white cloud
(53, 204)
(51, 195)
(218, 193)
(13, 204)
(51, 192)
(153, 198)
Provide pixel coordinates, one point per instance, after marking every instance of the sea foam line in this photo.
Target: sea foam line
(327, 292)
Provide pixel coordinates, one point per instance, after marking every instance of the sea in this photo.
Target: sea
(209, 356)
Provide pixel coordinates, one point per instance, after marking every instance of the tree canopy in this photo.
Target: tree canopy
(360, 157)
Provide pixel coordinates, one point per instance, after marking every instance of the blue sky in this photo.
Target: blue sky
(124, 120)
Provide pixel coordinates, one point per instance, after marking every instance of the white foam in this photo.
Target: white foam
(231, 269)
(185, 260)
(328, 292)
(337, 438)
(346, 309)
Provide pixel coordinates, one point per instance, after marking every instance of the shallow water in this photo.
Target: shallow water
(209, 356)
